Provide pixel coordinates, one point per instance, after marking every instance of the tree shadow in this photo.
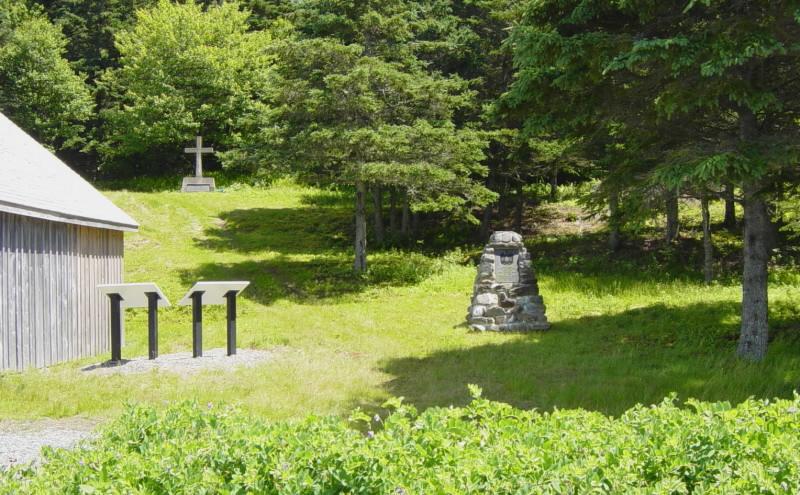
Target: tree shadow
(640, 257)
(283, 230)
(316, 279)
(607, 363)
(308, 250)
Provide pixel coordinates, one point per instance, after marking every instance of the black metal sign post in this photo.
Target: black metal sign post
(230, 296)
(197, 324)
(116, 327)
(213, 293)
(152, 324)
(133, 295)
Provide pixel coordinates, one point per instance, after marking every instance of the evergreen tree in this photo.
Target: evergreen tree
(708, 86)
(90, 27)
(346, 117)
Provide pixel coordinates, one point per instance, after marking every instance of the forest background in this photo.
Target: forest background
(444, 115)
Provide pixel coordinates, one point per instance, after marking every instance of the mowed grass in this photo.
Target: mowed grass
(626, 328)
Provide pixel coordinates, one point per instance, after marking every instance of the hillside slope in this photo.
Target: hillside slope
(623, 333)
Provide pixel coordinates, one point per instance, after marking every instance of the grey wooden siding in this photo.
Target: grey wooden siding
(50, 309)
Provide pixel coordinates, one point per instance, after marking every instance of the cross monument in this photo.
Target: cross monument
(198, 183)
(198, 151)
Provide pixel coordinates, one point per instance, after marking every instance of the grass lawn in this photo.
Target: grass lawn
(626, 329)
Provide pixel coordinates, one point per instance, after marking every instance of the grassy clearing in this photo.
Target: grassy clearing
(626, 329)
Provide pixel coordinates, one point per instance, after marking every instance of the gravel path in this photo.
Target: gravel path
(22, 441)
(184, 364)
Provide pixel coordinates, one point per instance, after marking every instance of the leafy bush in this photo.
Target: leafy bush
(486, 447)
(39, 89)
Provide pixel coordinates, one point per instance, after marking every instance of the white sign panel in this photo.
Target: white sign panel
(134, 295)
(213, 292)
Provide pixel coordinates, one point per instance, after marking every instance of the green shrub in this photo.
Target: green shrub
(486, 447)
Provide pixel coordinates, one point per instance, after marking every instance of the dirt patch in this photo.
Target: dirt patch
(552, 219)
(562, 219)
(141, 242)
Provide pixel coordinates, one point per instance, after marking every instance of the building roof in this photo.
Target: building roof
(35, 183)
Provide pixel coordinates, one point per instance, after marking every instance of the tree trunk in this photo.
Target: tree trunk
(502, 201)
(377, 207)
(554, 186)
(755, 315)
(415, 224)
(708, 245)
(519, 211)
(730, 208)
(360, 262)
(502, 210)
(486, 222)
(488, 210)
(393, 210)
(755, 322)
(613, 221)
(405, 221)
(671, 233)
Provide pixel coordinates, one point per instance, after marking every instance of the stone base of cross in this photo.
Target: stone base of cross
(198, 183)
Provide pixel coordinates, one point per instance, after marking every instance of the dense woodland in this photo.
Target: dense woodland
(445, 110)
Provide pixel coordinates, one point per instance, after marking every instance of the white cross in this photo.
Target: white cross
(198, 151)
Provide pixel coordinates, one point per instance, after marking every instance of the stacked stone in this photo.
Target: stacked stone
(508, 302)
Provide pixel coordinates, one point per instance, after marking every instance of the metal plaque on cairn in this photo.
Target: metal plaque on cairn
(506, 296)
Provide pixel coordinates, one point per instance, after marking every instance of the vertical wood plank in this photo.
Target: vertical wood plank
(51, 309)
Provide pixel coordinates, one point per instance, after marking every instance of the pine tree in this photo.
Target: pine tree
(708, 85)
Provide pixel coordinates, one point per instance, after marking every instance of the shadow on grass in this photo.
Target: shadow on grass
(283, 230)
(607, 363)
(638, 258)
(325, 224)
(316, 279)
(308, 250)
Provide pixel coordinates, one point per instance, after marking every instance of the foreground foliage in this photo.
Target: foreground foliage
(486, 447)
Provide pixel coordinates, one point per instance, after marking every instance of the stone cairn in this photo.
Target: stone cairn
(506, 296)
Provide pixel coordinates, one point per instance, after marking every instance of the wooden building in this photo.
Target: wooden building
(59, 239)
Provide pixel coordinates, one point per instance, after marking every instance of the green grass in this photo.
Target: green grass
(626, 329)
